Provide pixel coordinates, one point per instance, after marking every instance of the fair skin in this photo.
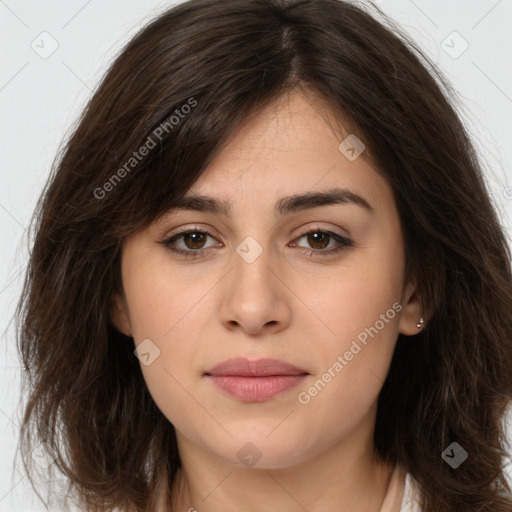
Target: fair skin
(287, 304)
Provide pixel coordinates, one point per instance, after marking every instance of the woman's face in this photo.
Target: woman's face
(317, 284)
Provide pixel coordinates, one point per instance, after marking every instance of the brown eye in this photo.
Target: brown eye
(194, 239)
(188, 243)
(318, 239)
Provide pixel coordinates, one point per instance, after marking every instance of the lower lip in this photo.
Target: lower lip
(256, 389)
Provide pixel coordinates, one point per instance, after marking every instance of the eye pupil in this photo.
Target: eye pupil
(194, 238)
(318, 238)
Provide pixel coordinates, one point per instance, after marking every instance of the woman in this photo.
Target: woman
(260, 280)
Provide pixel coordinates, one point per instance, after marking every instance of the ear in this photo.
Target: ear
(412, 312)
(119, 315)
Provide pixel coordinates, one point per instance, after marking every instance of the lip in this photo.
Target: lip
(243, 367)
(255, 381)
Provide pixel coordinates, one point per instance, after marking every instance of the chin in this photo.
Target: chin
(261, 452)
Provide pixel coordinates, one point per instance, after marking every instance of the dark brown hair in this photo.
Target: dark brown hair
(227, 60)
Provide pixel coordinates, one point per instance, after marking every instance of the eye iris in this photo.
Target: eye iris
(318, 238)
(194, 238)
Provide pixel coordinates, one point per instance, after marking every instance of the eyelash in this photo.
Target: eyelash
(344, 243)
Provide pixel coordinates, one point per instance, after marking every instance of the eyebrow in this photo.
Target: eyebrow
(285, 205)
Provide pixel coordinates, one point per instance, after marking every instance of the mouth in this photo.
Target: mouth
(255, 381)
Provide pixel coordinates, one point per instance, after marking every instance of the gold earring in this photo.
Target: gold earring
(419, 325)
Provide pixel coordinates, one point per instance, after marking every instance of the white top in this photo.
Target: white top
(402, 494)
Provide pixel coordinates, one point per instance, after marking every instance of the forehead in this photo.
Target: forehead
(290, 148)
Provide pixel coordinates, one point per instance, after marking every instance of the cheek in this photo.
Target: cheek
(171, 321)
(361, 309)
(355, 365)
(175, 318)
(360, 293)
(162, 298)
(171, 312)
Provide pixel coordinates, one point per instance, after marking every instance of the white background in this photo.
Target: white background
(41, 98)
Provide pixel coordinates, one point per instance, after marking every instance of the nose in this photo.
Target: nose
(255, 298)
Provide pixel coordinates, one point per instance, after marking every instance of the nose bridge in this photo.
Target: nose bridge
(254, 297)
(252, 268)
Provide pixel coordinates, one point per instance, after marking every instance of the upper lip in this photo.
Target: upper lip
(243, 367)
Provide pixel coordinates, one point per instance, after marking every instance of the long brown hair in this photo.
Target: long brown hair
(181, 88)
